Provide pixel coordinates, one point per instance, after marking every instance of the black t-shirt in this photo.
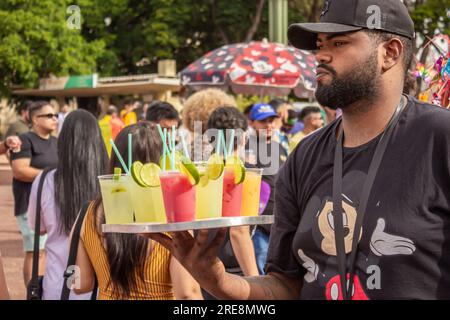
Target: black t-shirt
(270, 157)
(404, 249)
(43, 153)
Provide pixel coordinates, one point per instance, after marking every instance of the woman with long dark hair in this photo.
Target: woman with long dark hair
(82, 157)
(128, 266)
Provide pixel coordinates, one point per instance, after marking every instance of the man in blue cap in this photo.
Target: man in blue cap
(269, 155)
(362, 206)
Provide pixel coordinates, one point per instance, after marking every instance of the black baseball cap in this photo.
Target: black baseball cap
(342, 16)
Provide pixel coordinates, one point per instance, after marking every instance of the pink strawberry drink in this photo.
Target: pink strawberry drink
(179, 197)
(232, 196)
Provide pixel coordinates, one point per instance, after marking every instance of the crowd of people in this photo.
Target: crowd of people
(77, 151)
(361, 204)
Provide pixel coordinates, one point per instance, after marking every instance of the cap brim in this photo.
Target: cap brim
(304, 35)
(265, 116)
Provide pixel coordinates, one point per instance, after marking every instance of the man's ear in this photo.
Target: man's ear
(392, 54)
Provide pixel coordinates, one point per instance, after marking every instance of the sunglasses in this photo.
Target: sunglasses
(48, 115)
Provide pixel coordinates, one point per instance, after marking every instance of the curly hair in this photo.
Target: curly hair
(227, 118)
(202, 104)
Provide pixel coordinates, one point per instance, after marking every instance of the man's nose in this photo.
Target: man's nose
(323, 57)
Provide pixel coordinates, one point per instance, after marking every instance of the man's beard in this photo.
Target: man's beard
(359, 84)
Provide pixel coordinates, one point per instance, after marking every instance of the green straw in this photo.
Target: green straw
(169, 151)
(173, 148)
(163, 138)
(231, 146)
(130, 147)
(116, 151)
(222, 137)
(219, 143)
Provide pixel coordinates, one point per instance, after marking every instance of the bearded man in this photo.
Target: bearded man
(362, 206)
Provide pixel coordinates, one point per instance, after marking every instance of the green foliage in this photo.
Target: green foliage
(430, 16)
(129, 36)
(35, 42)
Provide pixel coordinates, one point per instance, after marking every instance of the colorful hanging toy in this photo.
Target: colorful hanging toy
(436, 78)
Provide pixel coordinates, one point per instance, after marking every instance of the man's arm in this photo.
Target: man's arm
(273, 286)
(199, 257)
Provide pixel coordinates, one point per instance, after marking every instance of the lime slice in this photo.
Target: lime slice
(136, 173)
(236, 164)
(190, 170)
(178, 157)
(214, 167)
(150, 174)
(117, 173)
(203, 180)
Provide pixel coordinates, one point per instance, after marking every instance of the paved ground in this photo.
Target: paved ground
(10, 241)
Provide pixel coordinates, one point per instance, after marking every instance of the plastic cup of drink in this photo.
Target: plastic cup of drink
(179, 196)
(209, 196)
(232, 195)
(251, 191)
(148, 204)
(116, 197)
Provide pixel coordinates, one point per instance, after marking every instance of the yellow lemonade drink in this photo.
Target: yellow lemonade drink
(116, 197)
(148, 204)
(251, 191)
(208, 194)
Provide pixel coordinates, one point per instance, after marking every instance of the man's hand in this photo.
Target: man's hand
(197, 255)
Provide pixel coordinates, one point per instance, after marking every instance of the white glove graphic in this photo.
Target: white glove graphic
(384, 244)
(310, 265)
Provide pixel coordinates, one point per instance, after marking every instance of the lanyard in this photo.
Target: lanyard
(361, 210)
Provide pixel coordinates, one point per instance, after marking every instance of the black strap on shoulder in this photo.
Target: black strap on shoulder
(361, 210)
(37, 228)
(65, 293)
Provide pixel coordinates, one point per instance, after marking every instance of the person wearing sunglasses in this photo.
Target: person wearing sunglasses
(38, 151)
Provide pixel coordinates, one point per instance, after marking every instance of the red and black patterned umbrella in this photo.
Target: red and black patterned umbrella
(254, 68)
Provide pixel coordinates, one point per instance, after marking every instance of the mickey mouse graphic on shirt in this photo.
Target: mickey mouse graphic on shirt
(322, 228)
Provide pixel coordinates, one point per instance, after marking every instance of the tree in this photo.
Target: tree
(36, 42)
(305, 10)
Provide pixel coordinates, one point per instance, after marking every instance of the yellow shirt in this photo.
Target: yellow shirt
(295, 140)
(105, 129)
(128, 117)
(157, 283)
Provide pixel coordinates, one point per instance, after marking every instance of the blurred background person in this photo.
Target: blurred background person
(138, 108)
(22, 124)
(164, 114)
(38, 151)
(197, 110)
(290, 121)
(312, 120)
(270, 156)
(282, 108)
(82, 158)
(127, 114)
(128, 266)
(115, 121)
(63, 112)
